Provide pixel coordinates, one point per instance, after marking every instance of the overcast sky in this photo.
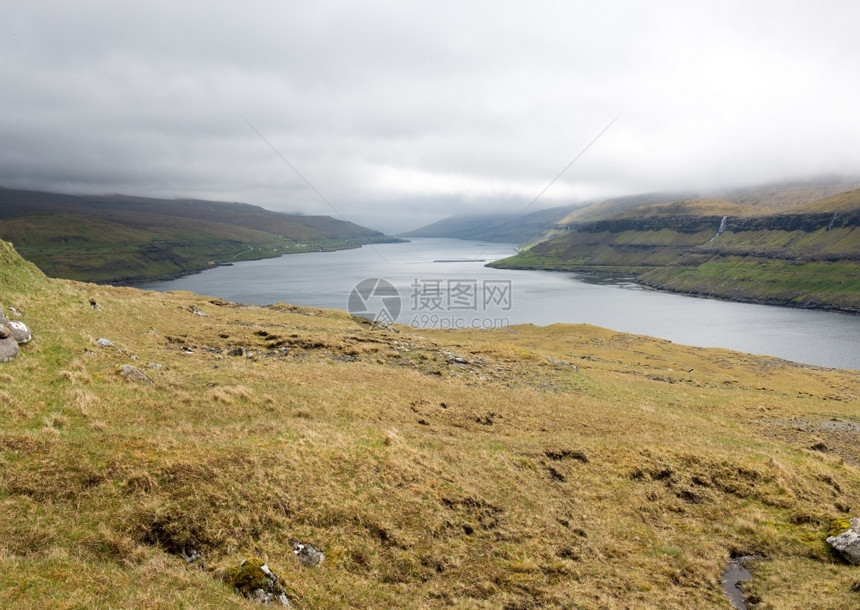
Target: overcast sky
(400, 113)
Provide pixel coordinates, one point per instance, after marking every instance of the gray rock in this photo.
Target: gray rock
(105, 343)
(847, 543)
(236, 351)
(307, 554)
(132, 372)
(19, 330)
(190, 555)
(267, 599)
(8, 345)
(455, 359)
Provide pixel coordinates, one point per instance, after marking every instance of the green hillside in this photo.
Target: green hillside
(127, 239)
(16, 274)
(559, 467)
(807, 258)
(687, 207)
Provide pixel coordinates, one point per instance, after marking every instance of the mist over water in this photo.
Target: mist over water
(462, 293)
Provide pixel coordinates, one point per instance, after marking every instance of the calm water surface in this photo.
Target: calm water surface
(461, 292)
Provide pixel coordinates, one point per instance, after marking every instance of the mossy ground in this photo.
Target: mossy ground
(838, 526)
(562, 466)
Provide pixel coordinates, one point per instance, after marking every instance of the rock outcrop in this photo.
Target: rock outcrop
(307, 554)
(132, 373)
(254, 580)
(12, 333)
(8, 345)
(847, 543)
(19, 330)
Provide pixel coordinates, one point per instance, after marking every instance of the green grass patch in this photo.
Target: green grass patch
(126, 239)
(818, 269)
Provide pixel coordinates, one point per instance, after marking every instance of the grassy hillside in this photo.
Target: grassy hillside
(788, 196)
(759, 199)
(611, 207)
(18, 275)
(126, 239)
(686, 207)
(807, 258)
(566, 466)
(842, 203)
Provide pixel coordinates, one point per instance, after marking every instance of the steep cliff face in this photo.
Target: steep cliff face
(689, 223)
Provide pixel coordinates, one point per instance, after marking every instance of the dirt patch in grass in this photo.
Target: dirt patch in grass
(838, 437)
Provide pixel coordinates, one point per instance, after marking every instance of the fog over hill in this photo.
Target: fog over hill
(396, 115)
(506, 228)
(526, 227)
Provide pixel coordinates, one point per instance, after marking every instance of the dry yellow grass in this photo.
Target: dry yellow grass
(565, 466)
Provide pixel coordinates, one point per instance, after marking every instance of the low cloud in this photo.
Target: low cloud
(403, 113)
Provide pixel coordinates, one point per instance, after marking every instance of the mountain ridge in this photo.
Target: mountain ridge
(499, 228)
(807, 256)
(123, 239)
(759, 199)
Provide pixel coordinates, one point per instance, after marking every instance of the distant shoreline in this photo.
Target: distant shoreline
(749, 299)
(129, 282)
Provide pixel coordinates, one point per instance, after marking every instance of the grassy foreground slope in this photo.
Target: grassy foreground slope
(126, 239)
(566, 466)
(808, 257)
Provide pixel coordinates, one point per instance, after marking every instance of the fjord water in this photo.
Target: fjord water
(444, 283)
